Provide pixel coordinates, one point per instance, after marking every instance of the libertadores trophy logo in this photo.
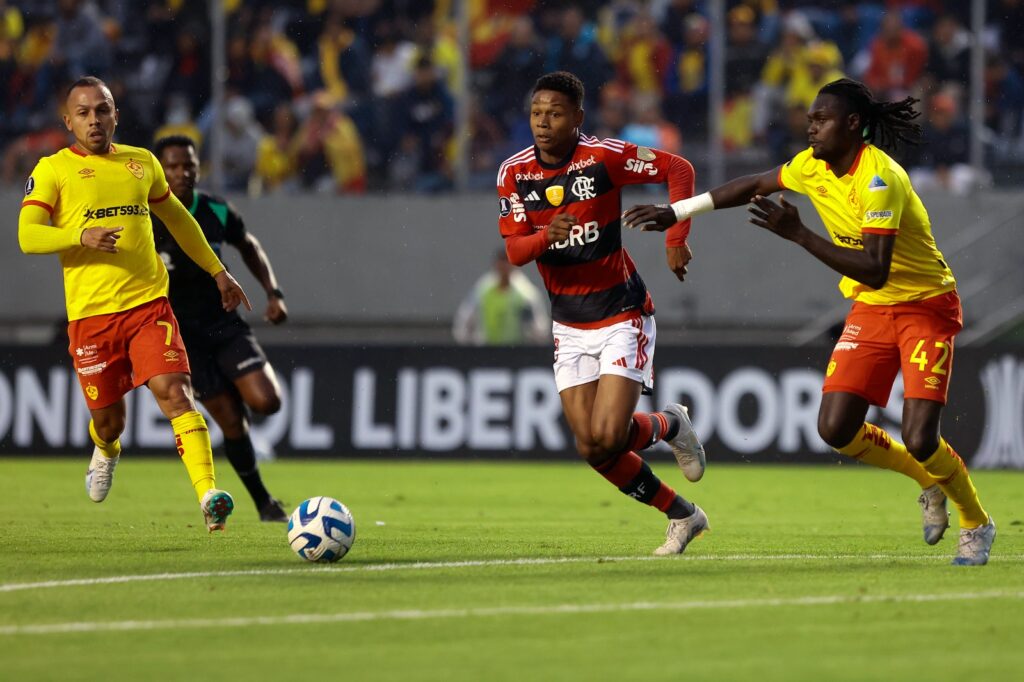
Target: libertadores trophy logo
(1002, 445)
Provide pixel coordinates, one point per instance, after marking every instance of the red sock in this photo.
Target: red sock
(646, 429)
(630, 474)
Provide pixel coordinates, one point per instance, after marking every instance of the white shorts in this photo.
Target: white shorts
(625, 349)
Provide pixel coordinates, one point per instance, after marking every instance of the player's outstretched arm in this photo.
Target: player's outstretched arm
(869, 266)
(736, 192)
(186, 231)
(256, 259)
(37, 236)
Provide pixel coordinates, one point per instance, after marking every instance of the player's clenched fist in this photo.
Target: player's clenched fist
(559, 228)
(101, 238)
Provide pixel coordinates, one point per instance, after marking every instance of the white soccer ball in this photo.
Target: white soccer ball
(321, 529)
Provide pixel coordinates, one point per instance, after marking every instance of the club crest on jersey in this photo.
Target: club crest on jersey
(92, 392)
(555, 194)
(877, 184)
(645, 154)
(135, 168)
(583, 187)
(30, 185)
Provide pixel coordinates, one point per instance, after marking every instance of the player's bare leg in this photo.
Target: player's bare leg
(228, 410)
(105, 429)
(600, 414)
(921, 434)
(841, 424)
(173, 393)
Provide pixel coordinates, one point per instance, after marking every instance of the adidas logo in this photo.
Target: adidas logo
(532, 196)
(621, 362)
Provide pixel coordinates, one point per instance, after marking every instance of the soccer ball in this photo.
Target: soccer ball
(321, 529)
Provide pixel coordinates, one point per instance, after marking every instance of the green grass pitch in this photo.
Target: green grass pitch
(494, 571)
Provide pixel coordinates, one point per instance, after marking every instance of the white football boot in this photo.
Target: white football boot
(686, 446)
(681, 531)
(217, 506)
(934, 517)
(100, 475)
(975, 544)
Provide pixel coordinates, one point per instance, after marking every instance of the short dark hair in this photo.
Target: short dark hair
(890, 124)
(86, 82)
(173, 141)
(564, 82)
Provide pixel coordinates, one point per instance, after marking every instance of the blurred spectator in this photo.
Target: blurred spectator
(241, 140)
(82, 47)
(650, 129)
(442, 51)
(775, 77)
(941, 162)
(575, 48)
(275, 157)
(949, 53)
(744, 54)
(21, 155)
(392, 63)
(819, 67)
(515, 71)
(613, 116)
(427, 117)
(486, 146)
(1004, 104)
(898, 57)
(328, 150)
(178, 121)
(189, 76)
(645, 56)
(502, 309)
(687, 103)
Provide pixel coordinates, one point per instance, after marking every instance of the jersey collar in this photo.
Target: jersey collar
(853, 166)
(561, 162)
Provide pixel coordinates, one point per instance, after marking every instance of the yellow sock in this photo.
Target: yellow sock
(950, 472)
(110, 450)
(873, 446)
(193, 441)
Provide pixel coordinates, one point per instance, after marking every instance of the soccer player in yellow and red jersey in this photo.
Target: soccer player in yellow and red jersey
(559, 204)
(906, 310)
(90, 204)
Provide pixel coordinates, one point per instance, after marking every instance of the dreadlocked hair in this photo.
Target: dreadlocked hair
(887, 124)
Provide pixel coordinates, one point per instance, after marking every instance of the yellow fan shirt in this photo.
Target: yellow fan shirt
(107, 190)
(874, 197)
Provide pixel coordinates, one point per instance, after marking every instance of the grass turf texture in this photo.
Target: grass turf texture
(791, 584)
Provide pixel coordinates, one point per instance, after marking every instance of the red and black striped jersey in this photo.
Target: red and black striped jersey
(590, 278)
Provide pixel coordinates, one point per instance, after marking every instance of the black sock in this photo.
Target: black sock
(242, 456)
(680, 508)
(673, 426)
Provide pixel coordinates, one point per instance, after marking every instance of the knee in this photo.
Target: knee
(593, 453)
(920, 444)
(266, 404)
(609, 438)
(837, 431)
(109, 427)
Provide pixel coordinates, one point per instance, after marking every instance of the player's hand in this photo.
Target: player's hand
(678, 258)
(558, 229)
(231, 294)
(649, 217)
(277, 311)
(101, 238)
(783, 218)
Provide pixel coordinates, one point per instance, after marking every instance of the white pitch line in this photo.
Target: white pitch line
(482, 563)
(485, 612)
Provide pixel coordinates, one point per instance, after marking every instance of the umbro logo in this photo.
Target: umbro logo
(87, 173)
(532, 196)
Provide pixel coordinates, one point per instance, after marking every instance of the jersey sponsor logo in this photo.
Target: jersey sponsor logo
(583, 187)
(645, 154)
(877, 184)
(847, 241)
(555, 194)
(640, 167)
(579, 235)
(114, 211)
(518, 210)
(504, 207)
(30, 185)
(581, 164)
(529, 176)
(846, 345)
(533, 196)
(93, 369)
(878, 215)
(135, 168)
(87, 173)
(850, 331)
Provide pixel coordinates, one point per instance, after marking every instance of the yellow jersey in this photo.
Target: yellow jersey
(874, 197)
(107, 190)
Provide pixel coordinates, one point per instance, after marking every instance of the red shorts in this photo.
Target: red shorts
(880, 340)
(115, 353)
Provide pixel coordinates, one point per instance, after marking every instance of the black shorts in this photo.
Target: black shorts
(219, 354)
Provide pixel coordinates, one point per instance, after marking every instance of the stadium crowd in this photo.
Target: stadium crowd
(350, 96)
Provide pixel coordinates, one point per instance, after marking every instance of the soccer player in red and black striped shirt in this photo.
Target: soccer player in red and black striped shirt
(560, 205)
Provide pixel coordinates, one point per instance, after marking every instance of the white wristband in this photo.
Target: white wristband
(687, 208)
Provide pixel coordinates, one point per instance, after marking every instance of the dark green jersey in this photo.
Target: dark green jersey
(193, 293)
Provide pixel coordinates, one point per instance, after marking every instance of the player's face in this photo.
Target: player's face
(91, 117)
(830, 131)
(181, 166)
(554, 121)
